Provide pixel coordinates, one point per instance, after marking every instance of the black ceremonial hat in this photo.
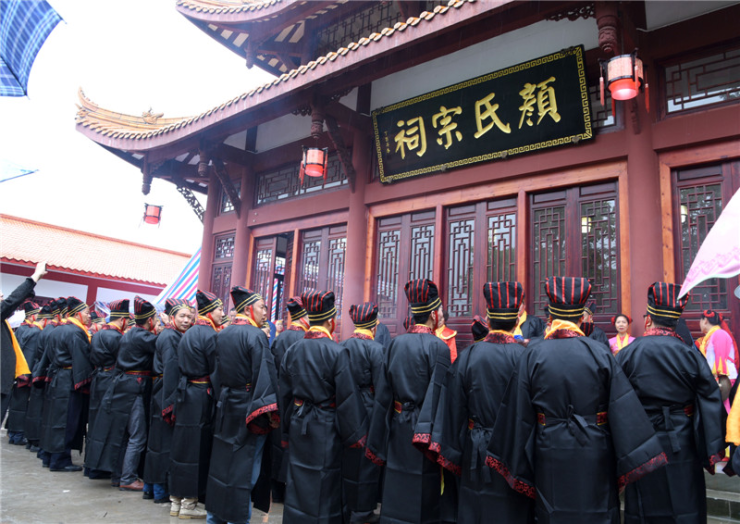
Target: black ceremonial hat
(143, 309)
(479, 329)
(62, 306)
(243, 297)
(590, 307)
(173, 305)
(96, 317)
(31, 308)
(320, 305)
(503, 299)
(207, 302)
(365, 316)
(663, 302)
(296, 309)
(423, 296)
(46, 311)
(74, 306)
(119, 309)
(568, 296)
(408, 322)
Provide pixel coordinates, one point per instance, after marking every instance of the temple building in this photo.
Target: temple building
(463, 141)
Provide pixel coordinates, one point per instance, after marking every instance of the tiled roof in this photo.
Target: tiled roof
(226, 6)
(85, 253)
(117, 125)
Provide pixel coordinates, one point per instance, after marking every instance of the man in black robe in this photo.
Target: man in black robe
(479, 329)
(528, 326)
(589, 327)
(104, 348)
(682, 399)
(474, 392)
(322, 413)
(570, 430)
(68, 391)
(360, 477)
(42, 373)
(295, 331)
(27, 336)
(247, 411)
(10, 352)
(121, 425)
(383, 336)
(159, 443)
(193, 412)
(32, 424)
(400, 433)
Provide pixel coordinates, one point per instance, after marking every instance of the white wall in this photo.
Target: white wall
(44, 288)
(509, 49)
(109, 295)
(283, 130)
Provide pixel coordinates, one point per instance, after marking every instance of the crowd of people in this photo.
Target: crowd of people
(536, 421)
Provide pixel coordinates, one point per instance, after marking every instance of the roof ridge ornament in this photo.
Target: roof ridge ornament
(150, 117)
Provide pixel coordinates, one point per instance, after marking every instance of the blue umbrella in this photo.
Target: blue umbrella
(24, 27)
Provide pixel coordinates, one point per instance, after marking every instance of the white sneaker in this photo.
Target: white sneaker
(190, 509)
(175, 506)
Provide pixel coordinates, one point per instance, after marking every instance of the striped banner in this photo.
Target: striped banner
(185, 285)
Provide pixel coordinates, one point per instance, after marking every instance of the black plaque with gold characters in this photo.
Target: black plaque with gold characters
(527, 107)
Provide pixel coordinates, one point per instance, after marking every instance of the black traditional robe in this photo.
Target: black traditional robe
(133, 378)
(475, 388)
(533, 327)
(322, 413)
(27, 335)
(599, 336)
(280, 345)
(103, 354)
(246, 406)
(70, 358)
(570, 431)
(7, 353)
(360, 477)
(193, 434)
(400, 432)
(683, 401)
(39, 369)
(159, 443)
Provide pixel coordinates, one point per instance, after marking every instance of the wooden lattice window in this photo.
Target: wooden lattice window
(224, 247)
(226, 205)
(601, 116)
(699, 197)
(708, 79)
(405, 251)
(575, 232)
(322, 259)
(285, 183)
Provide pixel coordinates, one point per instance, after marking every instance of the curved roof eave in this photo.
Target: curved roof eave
(332, 64)
(226, 12)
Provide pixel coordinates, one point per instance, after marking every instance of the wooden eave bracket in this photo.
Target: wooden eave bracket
(227, 184)
(345, 157)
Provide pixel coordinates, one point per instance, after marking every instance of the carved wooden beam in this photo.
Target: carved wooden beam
(349, 118)
(191, 199)
(345, 156)
(227, 184)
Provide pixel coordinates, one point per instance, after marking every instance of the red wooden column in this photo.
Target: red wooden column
(355, 254)
(643, 194)
(206, 254)
(243, 237)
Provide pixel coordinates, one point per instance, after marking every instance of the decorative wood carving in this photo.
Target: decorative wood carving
(228, 185)
(573, 13)
(317, 120)
(607, 21)
(345, 156)
(195, 204)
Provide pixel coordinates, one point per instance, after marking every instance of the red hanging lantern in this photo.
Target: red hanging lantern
(625, 78)
(152, 214)
(314, 162)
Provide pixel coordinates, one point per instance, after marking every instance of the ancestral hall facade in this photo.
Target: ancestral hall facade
(467, 141)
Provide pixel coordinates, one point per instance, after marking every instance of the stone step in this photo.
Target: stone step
(723, 497)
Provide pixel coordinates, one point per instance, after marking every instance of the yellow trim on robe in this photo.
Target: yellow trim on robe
(21, 366)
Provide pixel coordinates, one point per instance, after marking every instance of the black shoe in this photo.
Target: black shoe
(44, 465)
(71, 468)
(148, 495)
(34, 449)
(165, 500)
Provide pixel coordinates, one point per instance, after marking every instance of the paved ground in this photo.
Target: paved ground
(32, 494)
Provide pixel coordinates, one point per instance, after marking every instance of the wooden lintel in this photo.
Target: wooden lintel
(272, 47)
(233, 155)
(228, 185)
(345, 157)
(348, 117)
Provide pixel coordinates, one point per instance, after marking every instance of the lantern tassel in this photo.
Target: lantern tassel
(601, 88)
(302, 172)
(614, 103)
(647, 97)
